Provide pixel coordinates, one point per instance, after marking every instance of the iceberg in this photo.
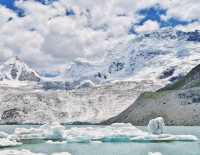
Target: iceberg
(156, 129)
(156, 126)
(53, 131)
(118, 132)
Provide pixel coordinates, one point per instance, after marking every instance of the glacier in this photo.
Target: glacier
(19, 105)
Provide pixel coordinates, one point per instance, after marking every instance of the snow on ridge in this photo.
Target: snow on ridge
(16, 70)
(148, 53)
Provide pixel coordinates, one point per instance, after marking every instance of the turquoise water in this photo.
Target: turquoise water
(131, 148)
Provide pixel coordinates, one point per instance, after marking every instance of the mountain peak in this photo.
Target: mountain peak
(15, 69)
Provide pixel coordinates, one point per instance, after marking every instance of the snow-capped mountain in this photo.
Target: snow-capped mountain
(105, 88)
(17, 70)
(164, 55)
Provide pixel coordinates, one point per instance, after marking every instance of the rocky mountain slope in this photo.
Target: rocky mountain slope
(178, 104)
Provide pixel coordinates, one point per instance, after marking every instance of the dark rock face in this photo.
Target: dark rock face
(194, 36)
(189, 36)
(115, 67)
(11, 115)
(14, 72)
(167, 73)
(100, 76)
(176, 78)
(26, 76)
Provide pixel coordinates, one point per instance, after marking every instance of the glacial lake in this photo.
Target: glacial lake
(115, 148)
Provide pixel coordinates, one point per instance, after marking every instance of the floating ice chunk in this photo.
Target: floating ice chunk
(54, 131)
(18, 152)
(165, 137)
(26, 134)
(4, 142)
(156, 126)
(154, 153)
(119, 132)
(3, 135)
(62, 153)
(55, 142)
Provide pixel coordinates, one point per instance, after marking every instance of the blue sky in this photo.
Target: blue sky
(154, 14)
(8, 3)
(66, 30)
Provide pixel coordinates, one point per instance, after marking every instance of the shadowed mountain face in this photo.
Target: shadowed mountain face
(178, 104)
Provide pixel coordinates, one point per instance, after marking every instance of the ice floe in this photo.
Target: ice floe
(5, 142)
(165, 137)
(118, 132)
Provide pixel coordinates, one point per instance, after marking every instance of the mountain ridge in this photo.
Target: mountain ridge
(15, 69)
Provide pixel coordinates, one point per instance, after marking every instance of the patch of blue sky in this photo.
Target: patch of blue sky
(155, 13)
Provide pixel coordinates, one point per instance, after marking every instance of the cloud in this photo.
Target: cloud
(47, 38)
(148, 26)
(184, 10)
(190, 27)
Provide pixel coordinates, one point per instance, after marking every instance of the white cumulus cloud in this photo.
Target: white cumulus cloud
(48, 39)
(148, 26)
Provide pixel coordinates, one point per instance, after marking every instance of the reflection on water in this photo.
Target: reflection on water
(125, 148)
